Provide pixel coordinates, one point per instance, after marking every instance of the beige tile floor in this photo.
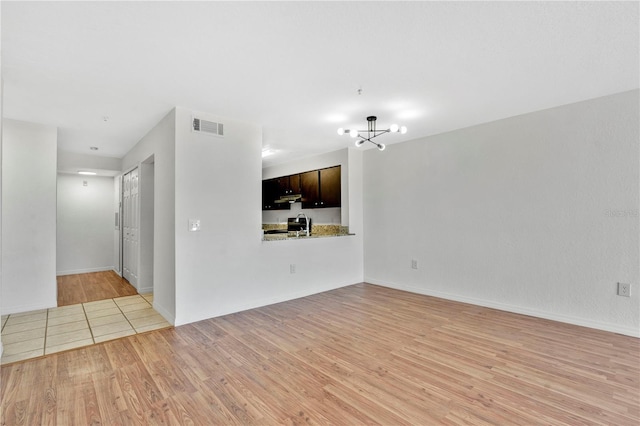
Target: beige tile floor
(33, 334)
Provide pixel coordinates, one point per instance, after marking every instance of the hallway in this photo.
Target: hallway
(92, 286)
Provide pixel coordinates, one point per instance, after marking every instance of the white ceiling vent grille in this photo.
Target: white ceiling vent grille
(208, 127)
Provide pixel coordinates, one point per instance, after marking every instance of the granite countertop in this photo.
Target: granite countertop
(303, 236)
(317, 231)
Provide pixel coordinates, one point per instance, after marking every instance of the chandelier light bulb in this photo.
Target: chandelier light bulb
(353, 133)
(341, 131)
(403, 130)
(394, 128)
(381, 146)
(359, 142)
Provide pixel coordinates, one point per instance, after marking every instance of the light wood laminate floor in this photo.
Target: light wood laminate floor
(362, 354)
(83, 288)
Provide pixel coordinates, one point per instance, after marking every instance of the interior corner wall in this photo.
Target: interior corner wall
(146, 193)
(28, 216)
(535, 214)
(354, 197)
(85, 224)
(160, 142)
(226, 267)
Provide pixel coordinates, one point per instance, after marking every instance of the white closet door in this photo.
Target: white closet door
(131, 227)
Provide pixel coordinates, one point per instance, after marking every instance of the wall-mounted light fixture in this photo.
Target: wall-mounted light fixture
(372, 132)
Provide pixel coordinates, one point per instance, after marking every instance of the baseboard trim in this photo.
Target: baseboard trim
(266, 302)
(614, 328)
(145, 290)
(165, 314)
(84, 271)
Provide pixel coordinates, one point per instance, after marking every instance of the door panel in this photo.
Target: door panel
(131, 227)
(126, 202)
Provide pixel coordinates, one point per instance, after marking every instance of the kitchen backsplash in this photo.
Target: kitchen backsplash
(329, 215)
(315, 229)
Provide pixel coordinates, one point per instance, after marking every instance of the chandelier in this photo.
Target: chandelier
(372, 132)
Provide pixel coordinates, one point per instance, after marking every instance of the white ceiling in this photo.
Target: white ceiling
(295, 67)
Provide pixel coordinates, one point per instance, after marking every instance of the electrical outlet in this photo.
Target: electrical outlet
(414, 264)
(292, 268)
(624, 289)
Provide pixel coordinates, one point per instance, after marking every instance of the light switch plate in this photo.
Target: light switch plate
(194, 225)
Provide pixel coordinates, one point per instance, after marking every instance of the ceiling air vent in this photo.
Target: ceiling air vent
(208, 127)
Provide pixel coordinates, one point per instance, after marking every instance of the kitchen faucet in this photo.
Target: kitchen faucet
(307, 221)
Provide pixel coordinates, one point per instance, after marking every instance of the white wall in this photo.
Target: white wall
(85, 224)
(146, 192)
(160, 143)
(536, 214)
(1, 103)
(28, 216)
(72, 162)
(226, 267)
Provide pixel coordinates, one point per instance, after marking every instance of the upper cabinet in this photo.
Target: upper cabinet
(319, 189)
(310, 184)
(271, 193)
(330, 189)
(289, 185)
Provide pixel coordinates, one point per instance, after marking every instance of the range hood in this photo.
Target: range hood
(289, 199)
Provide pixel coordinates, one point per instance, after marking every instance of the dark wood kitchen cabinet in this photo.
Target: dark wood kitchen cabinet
(330, 189)
(270, 193)
(289, 185)
(321, 188)
(310, 188)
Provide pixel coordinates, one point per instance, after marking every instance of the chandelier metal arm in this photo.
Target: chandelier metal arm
(371, 132)
(362, 140)
(376, 133)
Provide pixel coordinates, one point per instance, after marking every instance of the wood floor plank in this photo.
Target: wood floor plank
(90, 287)
(361, 354)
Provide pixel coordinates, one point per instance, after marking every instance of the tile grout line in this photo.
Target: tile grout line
(150, 304)
(86, 318)
(125, 316)
(5, 323)
(46, 332)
